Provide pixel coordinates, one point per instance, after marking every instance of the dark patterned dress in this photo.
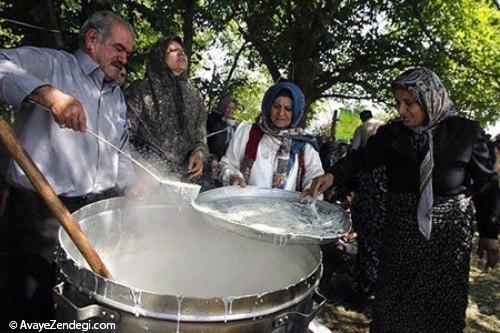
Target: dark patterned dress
(167, 118)
(415, 299)
(368, 218)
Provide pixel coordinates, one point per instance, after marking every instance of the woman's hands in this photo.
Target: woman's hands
(195, 165)
(318, 186)
(237, 180)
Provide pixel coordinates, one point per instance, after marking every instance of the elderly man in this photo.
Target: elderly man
(79, 91)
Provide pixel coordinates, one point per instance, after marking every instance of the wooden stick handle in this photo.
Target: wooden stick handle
(67, 221)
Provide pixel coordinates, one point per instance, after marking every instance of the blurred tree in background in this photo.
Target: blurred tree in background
(340, 50)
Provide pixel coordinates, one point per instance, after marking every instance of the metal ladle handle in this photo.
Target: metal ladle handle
(40, 183)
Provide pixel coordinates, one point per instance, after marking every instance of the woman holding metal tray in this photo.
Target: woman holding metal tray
(434, 161)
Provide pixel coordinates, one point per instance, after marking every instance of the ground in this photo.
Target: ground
(343, 312)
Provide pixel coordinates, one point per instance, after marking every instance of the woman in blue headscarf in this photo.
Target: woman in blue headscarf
(434, 161)
(273, 151)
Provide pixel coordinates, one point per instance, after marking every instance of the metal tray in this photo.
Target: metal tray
(272, 214)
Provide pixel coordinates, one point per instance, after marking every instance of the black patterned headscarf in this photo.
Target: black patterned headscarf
(430, 93)
(163, 80)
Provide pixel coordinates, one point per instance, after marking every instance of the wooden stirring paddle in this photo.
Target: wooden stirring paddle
(37, 179)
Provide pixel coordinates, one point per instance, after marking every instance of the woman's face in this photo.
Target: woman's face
(281, 112)
(176, 58)
(410, 112)
(230, 109)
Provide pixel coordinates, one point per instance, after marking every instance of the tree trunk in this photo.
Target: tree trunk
(53, 24)
(188, 28)
(302, 74)
(333, 128)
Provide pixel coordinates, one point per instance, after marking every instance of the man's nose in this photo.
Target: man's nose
(123, 58)
(401, 109)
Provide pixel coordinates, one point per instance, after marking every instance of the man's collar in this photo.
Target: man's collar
(89, 66)
(86, 62)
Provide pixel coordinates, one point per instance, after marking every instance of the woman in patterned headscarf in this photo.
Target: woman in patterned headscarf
(434, 160)
(167, 118)
(273, 152)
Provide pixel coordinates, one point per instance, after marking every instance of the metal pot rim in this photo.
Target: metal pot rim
(166, 307)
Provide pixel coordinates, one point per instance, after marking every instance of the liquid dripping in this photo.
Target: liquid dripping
(228, 306)
(179, 303)
(314, 210)
(231, 306)
(137, 301)
(96, 283)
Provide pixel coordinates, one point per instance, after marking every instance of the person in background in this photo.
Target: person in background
(80, 91)
(273, 152)
(167, 117)
(220, 127)
(434, 160)
(369, 127)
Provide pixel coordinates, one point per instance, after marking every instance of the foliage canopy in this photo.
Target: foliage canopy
(337, 49)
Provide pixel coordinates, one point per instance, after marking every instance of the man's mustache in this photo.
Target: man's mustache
(117, 64)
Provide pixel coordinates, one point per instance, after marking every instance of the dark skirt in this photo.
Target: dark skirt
(368, 216)
(422, 284)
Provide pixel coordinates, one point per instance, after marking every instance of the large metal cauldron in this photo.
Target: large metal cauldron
(174, 272)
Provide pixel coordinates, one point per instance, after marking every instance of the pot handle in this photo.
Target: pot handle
(303, 318)
(86, 312)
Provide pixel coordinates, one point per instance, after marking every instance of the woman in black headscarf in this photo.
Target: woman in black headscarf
(434, 161)
(167, 119)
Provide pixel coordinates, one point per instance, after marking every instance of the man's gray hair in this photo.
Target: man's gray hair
(102, 22)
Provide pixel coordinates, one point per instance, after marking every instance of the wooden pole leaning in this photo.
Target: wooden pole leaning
(40, 183)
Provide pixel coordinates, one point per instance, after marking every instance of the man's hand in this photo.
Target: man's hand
(318, 186)
(66, 109)
(195, 166)
(492, 248)
(237, 180)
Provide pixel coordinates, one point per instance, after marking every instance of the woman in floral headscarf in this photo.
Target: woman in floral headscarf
(434, 160)
(273, 152)
(167, 117)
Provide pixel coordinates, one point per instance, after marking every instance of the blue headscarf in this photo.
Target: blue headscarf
(293, 139)
(271, 93)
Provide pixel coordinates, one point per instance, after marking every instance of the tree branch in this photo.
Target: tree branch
(235, 63)
(342, 96)
(187, 28)
(354, 97)
(263, 51)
